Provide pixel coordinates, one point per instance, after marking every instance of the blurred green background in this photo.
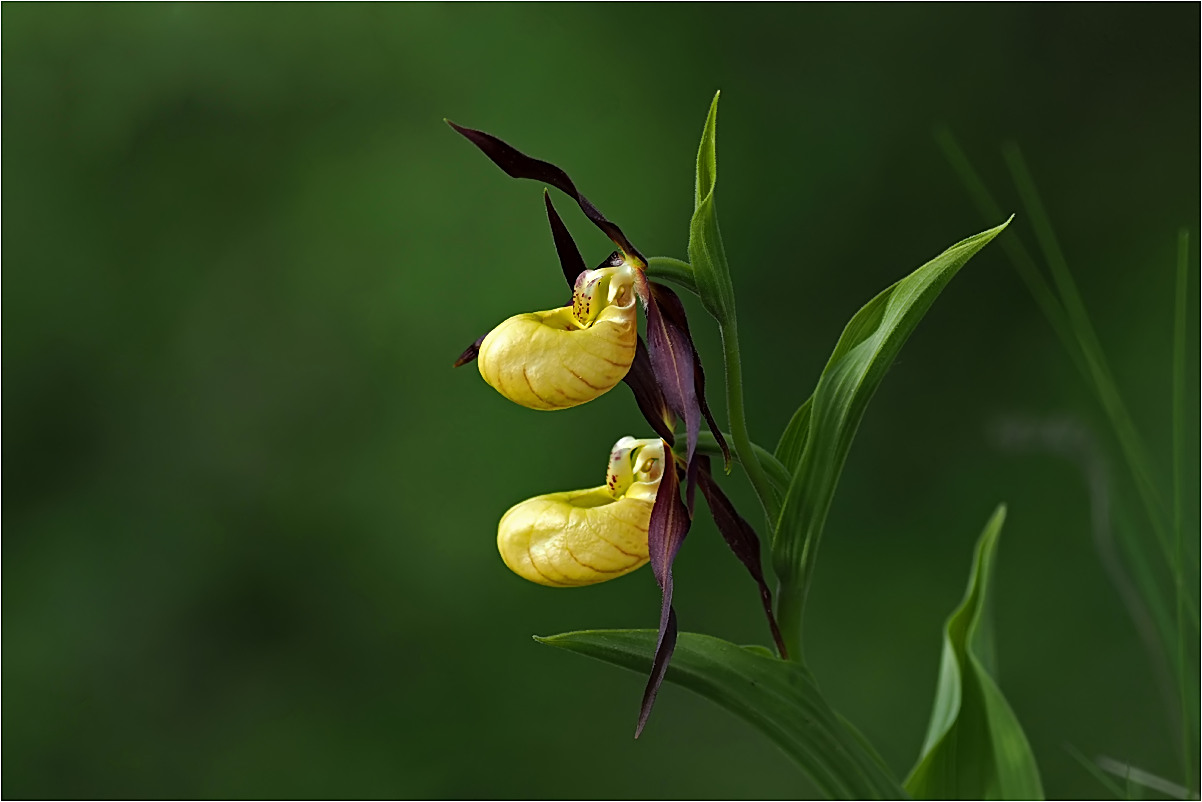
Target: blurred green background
(249, 540)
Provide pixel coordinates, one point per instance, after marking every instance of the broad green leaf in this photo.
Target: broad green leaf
(975, 748)
(862, 325)
(866, 349)
(706, 254)
(777, 697)
(793, 442)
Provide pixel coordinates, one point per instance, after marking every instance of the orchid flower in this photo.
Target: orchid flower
(564, 357)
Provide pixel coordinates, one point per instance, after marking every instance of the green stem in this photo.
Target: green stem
(738, 422)
(674, 270)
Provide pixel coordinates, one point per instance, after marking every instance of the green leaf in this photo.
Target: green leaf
(706, 254)
(778, 698)
(793, 442)
(975, 747)
(866, 349)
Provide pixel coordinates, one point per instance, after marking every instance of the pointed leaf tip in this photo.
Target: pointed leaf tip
(706, 252)
(819, 438)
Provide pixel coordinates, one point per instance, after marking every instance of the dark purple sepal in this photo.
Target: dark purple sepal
(470, 353)
(518, 165)
(671, 306)
(666, 531)
(565, 247)
(699, 386)
(678, 368)
(742, 540)
(671, 355)
(641, 380)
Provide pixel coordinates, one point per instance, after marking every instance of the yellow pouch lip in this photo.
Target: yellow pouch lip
(561, 358)
(583, 537)
(574, 538)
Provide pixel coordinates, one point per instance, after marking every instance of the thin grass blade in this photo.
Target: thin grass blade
(1100, 374)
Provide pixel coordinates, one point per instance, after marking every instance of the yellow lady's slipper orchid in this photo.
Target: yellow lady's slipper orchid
(583, 537)
(566, 356)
